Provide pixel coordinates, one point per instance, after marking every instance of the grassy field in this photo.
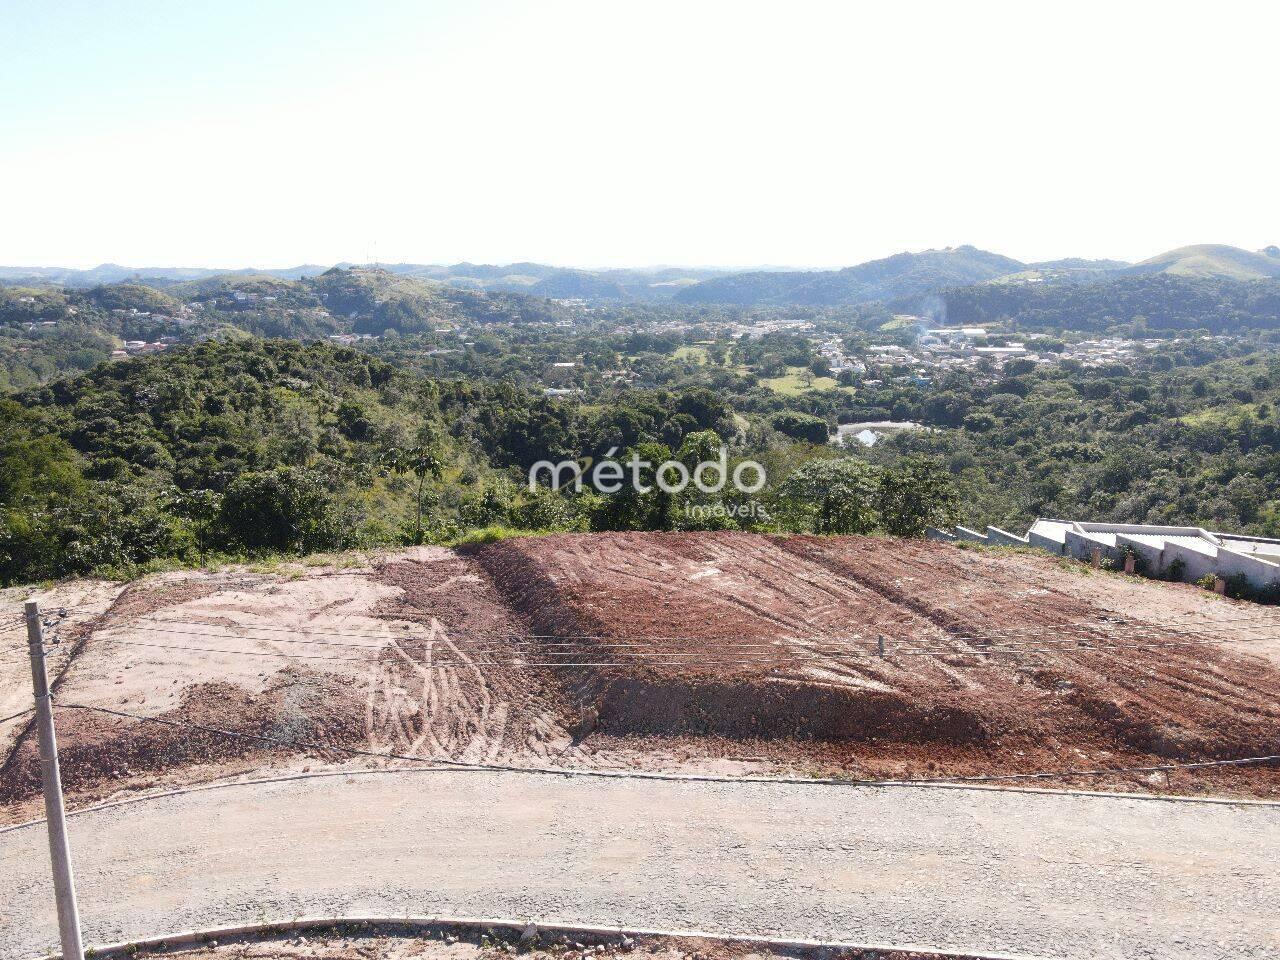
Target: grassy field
(905, 323)
(1211, 416)
(692, 352)
(798, 381)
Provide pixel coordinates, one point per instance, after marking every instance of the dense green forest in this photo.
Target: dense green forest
(244, 446)
(1155, 443)
(1134, 305)
(247, 414)
(239, 447)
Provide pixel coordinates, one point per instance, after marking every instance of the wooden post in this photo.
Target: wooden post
(64, 887)
(1130, 562)
(1096, 558)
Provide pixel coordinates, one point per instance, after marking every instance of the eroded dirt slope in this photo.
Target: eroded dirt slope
(727, 653)
(988, 667)
(354, 656)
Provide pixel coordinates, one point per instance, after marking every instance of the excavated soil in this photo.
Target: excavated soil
(686, 652)
(245, 674)
(987, 667)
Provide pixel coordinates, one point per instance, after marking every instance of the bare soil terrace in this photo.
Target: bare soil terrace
(726, 653)
(992, 664)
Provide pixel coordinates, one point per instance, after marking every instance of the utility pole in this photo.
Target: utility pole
(59, 850)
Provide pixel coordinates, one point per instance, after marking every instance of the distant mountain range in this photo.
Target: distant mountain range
(535, 279)
(913, 275)
(115, 273)
(904, 274)
(899, 277)
(1214, 260)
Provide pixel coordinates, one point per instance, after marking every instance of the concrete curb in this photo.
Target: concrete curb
(423, 925)
(641, 775)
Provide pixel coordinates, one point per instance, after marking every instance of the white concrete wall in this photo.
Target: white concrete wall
(933, 533)
(1153, 555)
(1004, 538)
(1081, 546)
(1260, 573)
(964, 533)
(1046, 543)
(1202, 557)
(1196, 563)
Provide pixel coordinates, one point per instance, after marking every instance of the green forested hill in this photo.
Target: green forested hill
(47, 331)
(1160, 302)
(223, 287)
(131, 296)
(902, 275)
(1215, 260)
(578, 285)
(231, 446)
(374, 300)
(252, 445)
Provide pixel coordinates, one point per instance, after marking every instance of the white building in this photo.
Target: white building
(1187, 554)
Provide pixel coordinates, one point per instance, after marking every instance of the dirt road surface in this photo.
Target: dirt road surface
(1044, 875)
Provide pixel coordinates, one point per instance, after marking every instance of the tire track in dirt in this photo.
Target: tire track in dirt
(472, 702)
(814, 678)
(1178, 702)
(1013, 700)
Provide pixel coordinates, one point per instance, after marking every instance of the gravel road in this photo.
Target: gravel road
(1036, 874)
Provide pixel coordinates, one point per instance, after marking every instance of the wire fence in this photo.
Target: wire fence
(1099, 634)
(569, 771)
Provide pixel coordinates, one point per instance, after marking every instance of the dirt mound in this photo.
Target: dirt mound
(741, 636)
(97, 749)
(1140, 685)
(363, 658)
(723, 635)
(688, 652)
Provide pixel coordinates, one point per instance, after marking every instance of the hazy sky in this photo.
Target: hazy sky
(244, 132)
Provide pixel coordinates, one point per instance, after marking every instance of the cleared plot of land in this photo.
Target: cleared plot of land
(988, 666)
(694, 352)
(1034, 874)
(354, 656)
(797, 381)
(725, 653)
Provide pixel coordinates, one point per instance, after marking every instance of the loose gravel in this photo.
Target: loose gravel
(1044, 875)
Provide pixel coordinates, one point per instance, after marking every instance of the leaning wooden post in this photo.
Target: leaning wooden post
(64, 887)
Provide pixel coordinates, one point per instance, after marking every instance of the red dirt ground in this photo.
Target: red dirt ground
(689, 652)
(773, 639)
